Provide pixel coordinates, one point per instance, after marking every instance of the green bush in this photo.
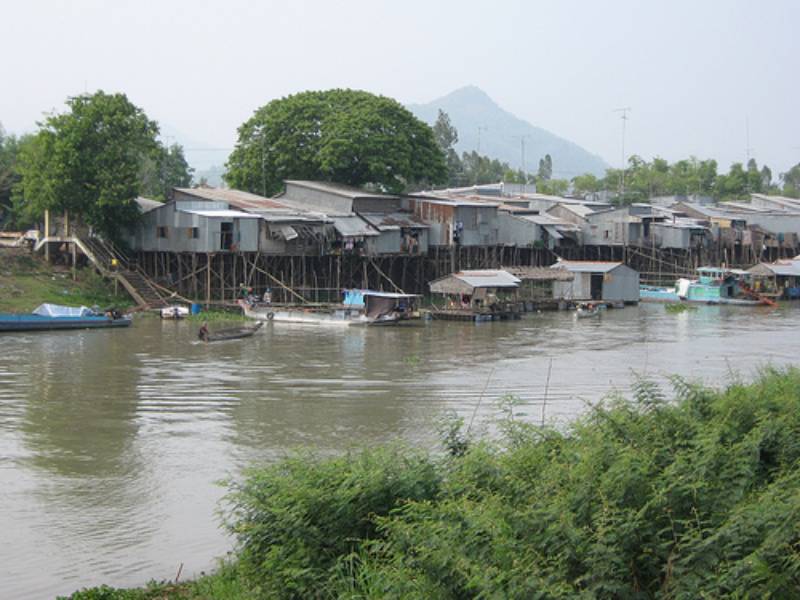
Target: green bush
(297, 520)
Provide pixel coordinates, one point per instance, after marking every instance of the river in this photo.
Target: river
(112, 442)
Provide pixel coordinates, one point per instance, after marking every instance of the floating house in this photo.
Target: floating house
(537, 285)
(477, 295)
(602, 281)
(780, 279)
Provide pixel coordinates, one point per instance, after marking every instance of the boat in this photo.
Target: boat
(48, 317)
(653, 293)
(174, 312)
(584, 311)
(719, 285)
(359, 307)
(232, 333)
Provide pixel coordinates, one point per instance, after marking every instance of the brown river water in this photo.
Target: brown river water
(112, 443)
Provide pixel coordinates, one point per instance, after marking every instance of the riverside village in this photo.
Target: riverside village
(330, 252)
(508, 309)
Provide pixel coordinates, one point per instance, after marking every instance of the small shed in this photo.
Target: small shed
(475, 289)
(597, 280)
(536, 283)
(781, 278)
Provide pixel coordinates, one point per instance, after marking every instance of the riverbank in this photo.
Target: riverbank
(26, 281)
(692, 494)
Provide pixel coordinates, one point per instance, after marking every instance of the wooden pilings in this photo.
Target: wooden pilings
(218, 277)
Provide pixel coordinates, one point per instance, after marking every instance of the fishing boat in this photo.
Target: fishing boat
(716, 285)
(359, 307)
(652, 293)
(232, 333)
(48, 317)
(584, 311)
(174, 312)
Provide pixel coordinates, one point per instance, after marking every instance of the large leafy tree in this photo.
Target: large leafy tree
(446, 136)
(165, 168)
(346, 136)
(791, 182)
(89, 161)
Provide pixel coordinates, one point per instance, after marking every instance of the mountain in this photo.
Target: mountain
(470, 108)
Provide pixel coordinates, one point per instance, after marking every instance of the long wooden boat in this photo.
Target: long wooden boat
(49, 317)
(361, 307)
(232, 333)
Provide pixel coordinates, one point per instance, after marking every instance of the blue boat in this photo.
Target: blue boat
(48, 317)
(716, 285)
(652, 293)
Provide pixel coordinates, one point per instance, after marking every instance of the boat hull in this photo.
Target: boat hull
(16, 323)
(334, 316)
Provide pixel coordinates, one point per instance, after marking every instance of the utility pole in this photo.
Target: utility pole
(521, 139)
(481, 128)
(747, 148)
(624, 117)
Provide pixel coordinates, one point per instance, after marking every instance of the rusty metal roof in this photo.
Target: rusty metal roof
(237, 198)
(540, 273)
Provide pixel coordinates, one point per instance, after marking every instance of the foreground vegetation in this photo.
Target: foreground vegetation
(26, 281)
(696, 496)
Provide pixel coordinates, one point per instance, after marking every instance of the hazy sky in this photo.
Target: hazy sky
(693, 72)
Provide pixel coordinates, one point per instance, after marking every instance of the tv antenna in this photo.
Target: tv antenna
(624, 116)
(481, 128)
(521, 139)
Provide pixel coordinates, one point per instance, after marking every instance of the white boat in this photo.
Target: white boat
(174, 312)
(584, 311)
(360, 307)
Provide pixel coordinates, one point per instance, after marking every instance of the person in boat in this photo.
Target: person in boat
(203, 332)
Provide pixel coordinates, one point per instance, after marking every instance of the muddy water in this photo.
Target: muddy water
(111, 442)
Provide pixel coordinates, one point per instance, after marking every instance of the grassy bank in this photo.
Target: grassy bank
(26, 281)
(692, 496)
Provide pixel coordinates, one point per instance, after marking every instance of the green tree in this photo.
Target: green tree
(346, 136)
(791, 182)
(88, 161)
(163, 170)
(585, 184)
(545, 168)
(447, 137)
(553, 187)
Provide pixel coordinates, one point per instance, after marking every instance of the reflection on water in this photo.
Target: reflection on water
(111, 441)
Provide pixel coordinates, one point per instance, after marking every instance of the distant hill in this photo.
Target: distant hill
(470, 108)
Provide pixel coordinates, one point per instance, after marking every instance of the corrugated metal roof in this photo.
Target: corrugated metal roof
(491, 278)
(453, 201)
(222, 214)
(353, 227)
(390, 221)
(540, 273)
(787, 268)
(146, 204)
(338, 189)
(586, 266)
(237, 198)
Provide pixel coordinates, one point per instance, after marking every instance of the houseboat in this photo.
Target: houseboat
(716, 285)
(359, 307)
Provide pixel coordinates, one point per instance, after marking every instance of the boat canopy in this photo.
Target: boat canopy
(57, 310)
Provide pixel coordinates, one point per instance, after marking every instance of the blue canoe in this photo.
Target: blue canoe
(48, 317)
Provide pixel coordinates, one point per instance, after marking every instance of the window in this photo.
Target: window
(193, 233)
(161, 232)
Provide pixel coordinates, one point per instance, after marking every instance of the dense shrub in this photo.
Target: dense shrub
(297, 520)
(691, 497)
